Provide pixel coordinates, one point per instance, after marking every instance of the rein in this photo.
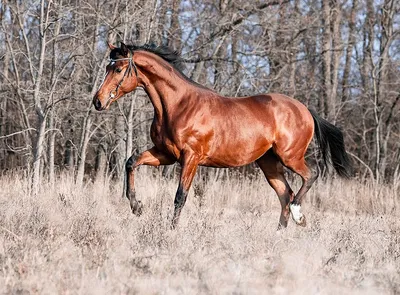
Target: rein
(127, 71)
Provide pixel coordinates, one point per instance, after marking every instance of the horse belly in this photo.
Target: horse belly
(238, 150)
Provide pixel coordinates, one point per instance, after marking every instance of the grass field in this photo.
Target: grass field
(71, 240)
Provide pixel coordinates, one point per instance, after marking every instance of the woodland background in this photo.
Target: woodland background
(340, 57)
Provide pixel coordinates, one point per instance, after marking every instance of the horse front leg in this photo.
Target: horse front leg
(151, 157)
(189, 164)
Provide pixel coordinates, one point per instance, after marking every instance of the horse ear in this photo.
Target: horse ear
(112, 47)
(124, 49)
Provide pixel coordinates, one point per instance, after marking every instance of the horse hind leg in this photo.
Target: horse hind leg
(308, 177)
(274, 172)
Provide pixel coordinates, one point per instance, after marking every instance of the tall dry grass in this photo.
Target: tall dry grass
(72, 240)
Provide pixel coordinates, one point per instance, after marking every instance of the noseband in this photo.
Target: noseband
(128, 72)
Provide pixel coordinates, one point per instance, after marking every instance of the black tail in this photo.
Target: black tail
(330, 138)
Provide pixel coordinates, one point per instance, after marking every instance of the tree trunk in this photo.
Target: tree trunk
(129, 133)
(293, 51)
(51, 149)
(38, 151)
(87, 120)
(386, 38)
(336, 55)
(129, 136)
(326, 53)
(369, 39)
(119, 154)
(69, 155)
(349, 52)
(175, 32)
(101, 162)
(41, 116)
(82, 150)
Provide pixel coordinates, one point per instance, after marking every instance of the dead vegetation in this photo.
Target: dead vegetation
(72, 240)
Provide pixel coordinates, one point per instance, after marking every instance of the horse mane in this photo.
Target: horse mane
(165, 52)
(171, 56)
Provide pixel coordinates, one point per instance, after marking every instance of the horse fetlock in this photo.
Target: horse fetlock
(136, 207)
(282, 225)
(283, 220)
(130, 195)
(175, 218)
(297, 216)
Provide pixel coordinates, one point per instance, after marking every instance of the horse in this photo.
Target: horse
(195, 126)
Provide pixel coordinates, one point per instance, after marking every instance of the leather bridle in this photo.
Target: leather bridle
(128, 72)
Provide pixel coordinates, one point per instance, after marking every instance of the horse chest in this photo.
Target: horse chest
(163, 141)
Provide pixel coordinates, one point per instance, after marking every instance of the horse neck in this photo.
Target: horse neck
(165, 86)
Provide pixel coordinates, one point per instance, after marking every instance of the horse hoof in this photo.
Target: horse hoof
(297, 216)
(281, 227)
(302, 222)
(137, 208)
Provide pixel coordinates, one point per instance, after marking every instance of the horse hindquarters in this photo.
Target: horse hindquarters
(291, 146)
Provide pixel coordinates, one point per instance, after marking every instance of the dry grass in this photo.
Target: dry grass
(70, 240)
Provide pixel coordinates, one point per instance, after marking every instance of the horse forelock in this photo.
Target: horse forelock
(117, 53)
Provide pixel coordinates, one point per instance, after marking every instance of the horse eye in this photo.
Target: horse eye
(118, 70)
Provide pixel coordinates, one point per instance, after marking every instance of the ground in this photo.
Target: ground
(73, 240)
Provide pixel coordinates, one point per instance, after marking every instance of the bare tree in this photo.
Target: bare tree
(324, 52)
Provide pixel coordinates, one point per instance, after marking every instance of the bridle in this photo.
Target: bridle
(128, 72)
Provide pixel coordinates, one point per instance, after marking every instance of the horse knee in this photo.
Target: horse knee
(311, 177)
(129, 165)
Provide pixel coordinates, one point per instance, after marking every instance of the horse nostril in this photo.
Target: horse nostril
(97, 104)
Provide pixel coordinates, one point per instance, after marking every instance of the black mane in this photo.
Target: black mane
(171, 56)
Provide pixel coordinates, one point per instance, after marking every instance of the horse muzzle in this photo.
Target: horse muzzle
(99, 106)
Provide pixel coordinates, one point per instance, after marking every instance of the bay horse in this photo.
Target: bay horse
(195, 126)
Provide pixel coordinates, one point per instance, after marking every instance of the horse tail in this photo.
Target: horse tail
(330, 140)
